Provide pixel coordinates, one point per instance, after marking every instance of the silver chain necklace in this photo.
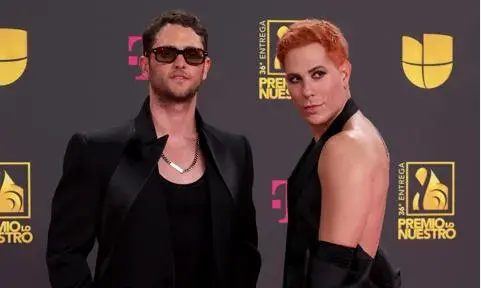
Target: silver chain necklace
(177, 167)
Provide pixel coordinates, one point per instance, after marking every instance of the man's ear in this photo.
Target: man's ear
(207, 64)
(144, 66)
(345, 69)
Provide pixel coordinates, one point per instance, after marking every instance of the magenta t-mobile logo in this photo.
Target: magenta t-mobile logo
(279, 189)
(133, 59)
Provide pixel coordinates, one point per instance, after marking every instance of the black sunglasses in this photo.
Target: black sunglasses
(168, 54)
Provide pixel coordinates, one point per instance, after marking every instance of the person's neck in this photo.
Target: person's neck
(175, 119)
(319, 130)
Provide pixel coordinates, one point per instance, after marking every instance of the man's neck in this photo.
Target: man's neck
(175, 119)
(319, 130)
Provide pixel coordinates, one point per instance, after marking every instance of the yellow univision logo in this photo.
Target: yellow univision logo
(13, 55)
(427, 65)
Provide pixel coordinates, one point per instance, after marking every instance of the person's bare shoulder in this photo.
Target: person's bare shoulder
(345, 171)
(350, 148)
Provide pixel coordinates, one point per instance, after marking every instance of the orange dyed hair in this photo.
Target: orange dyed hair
(314, 31)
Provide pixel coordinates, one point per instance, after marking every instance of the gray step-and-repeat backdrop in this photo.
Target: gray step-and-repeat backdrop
(68, 66)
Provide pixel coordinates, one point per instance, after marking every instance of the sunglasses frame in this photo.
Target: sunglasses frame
(178, 52)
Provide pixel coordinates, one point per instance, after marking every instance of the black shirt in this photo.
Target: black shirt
(189, 214)
(186, 209)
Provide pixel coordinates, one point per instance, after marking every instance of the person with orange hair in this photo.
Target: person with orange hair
(333, 235)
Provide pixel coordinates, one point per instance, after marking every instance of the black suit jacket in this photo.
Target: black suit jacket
(104, 171)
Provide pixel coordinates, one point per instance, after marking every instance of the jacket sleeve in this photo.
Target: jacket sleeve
(247, 257)
(71, 233)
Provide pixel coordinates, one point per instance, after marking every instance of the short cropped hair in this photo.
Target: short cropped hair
(310, 31)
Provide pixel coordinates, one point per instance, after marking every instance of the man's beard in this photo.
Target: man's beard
(167, 95)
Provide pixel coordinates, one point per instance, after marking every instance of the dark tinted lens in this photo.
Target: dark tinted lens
(165, 54)
(194, 55)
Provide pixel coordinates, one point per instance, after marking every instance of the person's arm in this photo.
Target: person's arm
(247, 260)
(346, 170)
(71, 233)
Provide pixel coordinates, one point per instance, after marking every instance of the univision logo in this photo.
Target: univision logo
(429, 64)
(13, 55)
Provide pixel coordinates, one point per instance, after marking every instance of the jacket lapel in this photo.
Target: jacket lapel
(139, 159)
(304, 168)
(223, 159)
(223, 178)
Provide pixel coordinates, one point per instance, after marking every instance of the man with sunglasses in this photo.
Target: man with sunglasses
(167, 196)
